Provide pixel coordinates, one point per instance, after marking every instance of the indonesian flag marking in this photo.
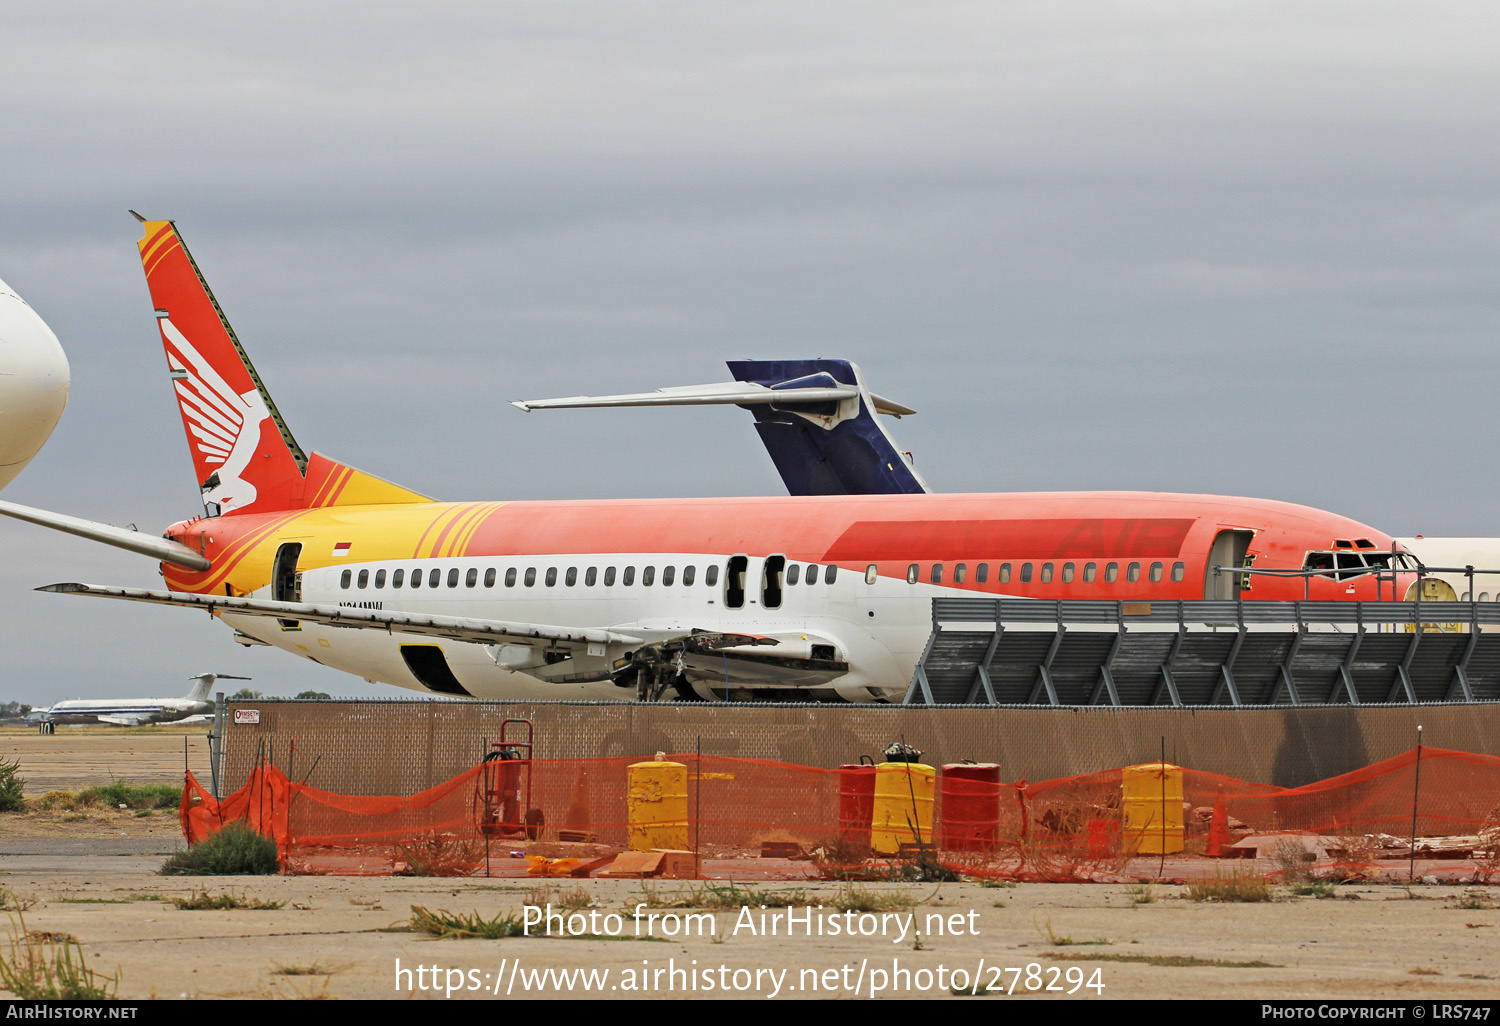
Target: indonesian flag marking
(341, 549)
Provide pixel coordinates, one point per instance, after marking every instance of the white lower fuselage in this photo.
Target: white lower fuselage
(880, 629)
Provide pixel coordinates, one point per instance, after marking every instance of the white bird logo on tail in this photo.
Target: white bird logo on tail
(224, 424)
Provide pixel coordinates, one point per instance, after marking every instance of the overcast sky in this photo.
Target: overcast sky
(1206, 247)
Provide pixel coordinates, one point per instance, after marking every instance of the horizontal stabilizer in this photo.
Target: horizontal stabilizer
(455, 628)
(164, 549)
(816, 419)
(729, 393)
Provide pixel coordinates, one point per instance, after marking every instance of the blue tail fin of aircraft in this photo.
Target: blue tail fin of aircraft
(815, 417)
(830, 448)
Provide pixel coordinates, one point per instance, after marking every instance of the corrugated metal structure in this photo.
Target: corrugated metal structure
(1063, 653)
(405, 746)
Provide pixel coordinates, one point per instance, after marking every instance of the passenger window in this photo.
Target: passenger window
(344, 579)
(472, 577)
(364, 578)
(529, 578)
(609, 577)
(911, 574)
(590, 576)
(689, 573)
(1179, 571)
(434, 578)
(1090, 571)
(668, 575)
(380, 578)
(489, 578)
(551, 577)
(711, 576)
(981, 573)
(648, 576)
(1067, 573)
(872, 574)
(572, 576)
(453, 577)
(1004, 577)
(937, 573)
(1111, 573)
(812, 573)
(1155, 572)
(1133, 572)
(1025, 573)
(398, 578)
(829, 573)
(1046, 573)
(960, 571)
(793, 572)
(628, 577)
(510, 577)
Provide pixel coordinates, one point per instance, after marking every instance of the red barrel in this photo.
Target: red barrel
(856, 804)
(969, 793)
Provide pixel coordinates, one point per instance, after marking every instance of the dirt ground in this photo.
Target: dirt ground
(94, 877)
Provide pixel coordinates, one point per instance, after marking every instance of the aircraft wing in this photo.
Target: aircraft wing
(457, 628)
(124, 721)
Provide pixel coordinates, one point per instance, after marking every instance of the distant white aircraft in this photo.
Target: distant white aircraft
(132, 712)
(33, 383)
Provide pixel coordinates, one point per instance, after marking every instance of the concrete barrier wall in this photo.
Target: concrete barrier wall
(401, 747)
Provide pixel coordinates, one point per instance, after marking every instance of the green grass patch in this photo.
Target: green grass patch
(12, 784)
(1312, 888)
(1066, 940)
(712, 895)
(10, 901)
(442, 923)
(1171, 961)
(236, 850)
(316, 969)
(202, 901)
(134, 796)
(854, 897)
(1234, 887)
(41, 966)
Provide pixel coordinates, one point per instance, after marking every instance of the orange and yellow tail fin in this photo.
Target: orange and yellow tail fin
(244, 456)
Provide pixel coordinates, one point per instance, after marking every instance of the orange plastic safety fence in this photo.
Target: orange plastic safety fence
(735, 808)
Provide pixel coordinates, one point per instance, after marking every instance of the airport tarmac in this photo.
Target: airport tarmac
(95, 877)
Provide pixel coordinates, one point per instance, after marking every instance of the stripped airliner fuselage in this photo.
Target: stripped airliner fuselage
(815, 596)
(843, 583)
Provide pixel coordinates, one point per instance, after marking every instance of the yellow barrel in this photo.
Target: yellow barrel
(656, 806)
(903, 806)
(1152, 808)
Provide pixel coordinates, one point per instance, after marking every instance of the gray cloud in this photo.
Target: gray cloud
(1180, 247)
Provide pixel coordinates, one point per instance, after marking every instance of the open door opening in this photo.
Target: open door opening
(286, 582)
(1230, 548)
(770, 587)
(427, 664)
(734, 582)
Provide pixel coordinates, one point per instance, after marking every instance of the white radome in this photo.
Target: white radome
(33, 383)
